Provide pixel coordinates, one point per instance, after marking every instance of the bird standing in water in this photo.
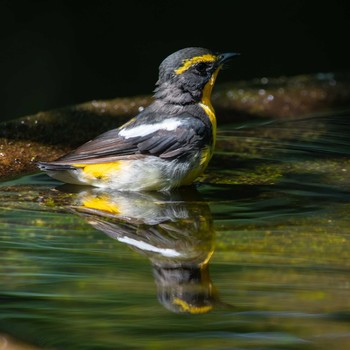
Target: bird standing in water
(167, 145)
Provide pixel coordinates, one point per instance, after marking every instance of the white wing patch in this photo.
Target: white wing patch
(143, 130)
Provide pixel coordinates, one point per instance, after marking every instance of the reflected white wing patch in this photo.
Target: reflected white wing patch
(148, 247)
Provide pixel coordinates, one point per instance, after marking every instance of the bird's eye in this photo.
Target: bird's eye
(201, 68)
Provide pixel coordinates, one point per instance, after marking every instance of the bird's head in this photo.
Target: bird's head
(185, 74)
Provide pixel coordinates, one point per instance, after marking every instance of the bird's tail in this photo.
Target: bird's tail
(53, 166)
(60, 171)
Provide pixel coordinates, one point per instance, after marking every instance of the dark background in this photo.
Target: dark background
(58, 53)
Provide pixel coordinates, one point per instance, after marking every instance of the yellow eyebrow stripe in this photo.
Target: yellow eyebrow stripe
(191, 61)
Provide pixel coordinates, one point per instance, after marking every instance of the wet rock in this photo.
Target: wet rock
(47, 135)
(284, 97)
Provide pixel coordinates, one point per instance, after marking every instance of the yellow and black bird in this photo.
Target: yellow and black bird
(167, 145)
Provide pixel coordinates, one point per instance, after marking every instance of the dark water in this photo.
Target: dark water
(256, 256)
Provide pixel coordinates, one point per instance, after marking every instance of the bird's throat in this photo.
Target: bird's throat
(206, 102)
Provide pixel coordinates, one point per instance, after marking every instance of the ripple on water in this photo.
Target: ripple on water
(260, 251)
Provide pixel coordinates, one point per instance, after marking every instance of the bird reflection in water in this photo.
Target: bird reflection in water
(174, 230)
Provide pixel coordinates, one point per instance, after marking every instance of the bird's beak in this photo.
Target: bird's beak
(224, 57)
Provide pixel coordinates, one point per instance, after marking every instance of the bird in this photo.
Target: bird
(167, 145)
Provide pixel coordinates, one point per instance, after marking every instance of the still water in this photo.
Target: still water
(255, 256)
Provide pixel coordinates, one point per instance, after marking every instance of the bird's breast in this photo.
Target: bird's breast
(209, 111)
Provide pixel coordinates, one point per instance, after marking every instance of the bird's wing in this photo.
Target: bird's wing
(168, 139)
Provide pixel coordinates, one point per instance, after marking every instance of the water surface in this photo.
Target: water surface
(255, 256)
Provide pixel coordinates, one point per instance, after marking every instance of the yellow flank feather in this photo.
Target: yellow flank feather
(191, 309)
(100, 170)
(195, 172)
(191, 61)
(205, 157)
(101, 203)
